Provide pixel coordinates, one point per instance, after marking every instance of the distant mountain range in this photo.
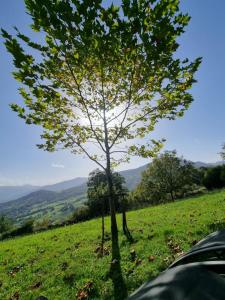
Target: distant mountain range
(59, 199)
(55, 201)
(8, 193)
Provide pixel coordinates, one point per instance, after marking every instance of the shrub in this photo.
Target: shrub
(27, 227)
(80, 214)
(214, 178)
(5, 224)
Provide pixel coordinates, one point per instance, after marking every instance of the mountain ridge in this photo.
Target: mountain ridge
(11, 193)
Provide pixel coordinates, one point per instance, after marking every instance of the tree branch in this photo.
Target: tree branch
(83, 100)
(85, 151)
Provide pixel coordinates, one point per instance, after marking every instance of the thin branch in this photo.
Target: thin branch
(155, 108)
(125, 112)
(85, 151)
(120, 114)
(83, 101)
(119, 151)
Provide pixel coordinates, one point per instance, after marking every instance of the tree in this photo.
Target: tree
(98, 197)
(121, 193)
(214, 178)
(222, 153)
(166, 175)
(97, 193)
(6, 224)
(102, 75)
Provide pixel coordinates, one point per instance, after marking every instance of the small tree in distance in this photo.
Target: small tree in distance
(97, 193)
(6, 224)
(102, 76)
(166, 175)
(222, 153)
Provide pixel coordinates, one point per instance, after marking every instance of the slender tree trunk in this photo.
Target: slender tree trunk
(103, 233)
(172, 196)
(120, 288)
(114, 228)
(126, 230)
(124, 221)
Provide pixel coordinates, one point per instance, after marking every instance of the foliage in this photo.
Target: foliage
(97, 192)
(167, 175)
(214, 177)
(71, 77)
(26, 228)
(5, 224)
(80, 214)
(58, 263)
(43, 224)
(198, 175)
(222, 153)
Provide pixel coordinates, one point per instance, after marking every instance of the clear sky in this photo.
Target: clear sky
(197, 136)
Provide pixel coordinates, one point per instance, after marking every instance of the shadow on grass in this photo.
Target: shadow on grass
(119, 285)
(217, 225)
(168, 233)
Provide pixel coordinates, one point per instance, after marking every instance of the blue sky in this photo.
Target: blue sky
(197, 136)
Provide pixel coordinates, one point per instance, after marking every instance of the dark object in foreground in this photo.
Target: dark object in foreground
(197, 275)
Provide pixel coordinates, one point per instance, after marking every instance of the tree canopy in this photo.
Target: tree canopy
(6, 224)
(166, 175)
(214, 178)
(101, 75)
(97, 192)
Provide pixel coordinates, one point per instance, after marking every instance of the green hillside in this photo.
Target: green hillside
(51, 202)
(62, 264)
(56, 206)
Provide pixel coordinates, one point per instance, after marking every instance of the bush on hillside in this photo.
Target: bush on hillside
(27, 227)
(6, 224)
(80, 214)
(43, 224)
(214, 178)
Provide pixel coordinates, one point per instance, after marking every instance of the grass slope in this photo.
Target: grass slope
(61, 264)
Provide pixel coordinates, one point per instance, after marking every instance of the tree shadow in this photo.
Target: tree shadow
(115, 273)
(218, 225)
(129, 237)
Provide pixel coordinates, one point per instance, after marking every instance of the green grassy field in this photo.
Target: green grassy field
(62, 264)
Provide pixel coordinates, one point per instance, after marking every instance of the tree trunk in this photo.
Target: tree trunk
(103, 233)
(124, 221)
(126, 231)
(120, 288)
(172, 196)
(114, 228)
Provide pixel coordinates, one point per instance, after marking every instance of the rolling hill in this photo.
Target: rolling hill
(132, 176)
(59, 200)
(42, 203)
(8, 193)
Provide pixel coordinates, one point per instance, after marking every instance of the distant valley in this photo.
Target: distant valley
(59, 200)
(53, 201)
(8, 193)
